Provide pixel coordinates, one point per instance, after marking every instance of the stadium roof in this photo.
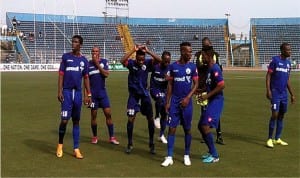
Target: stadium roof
(101, 20)
(275, 21)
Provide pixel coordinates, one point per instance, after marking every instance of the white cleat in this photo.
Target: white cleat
(163, 139)
(187, 160)
(157, 122)
(168, 161)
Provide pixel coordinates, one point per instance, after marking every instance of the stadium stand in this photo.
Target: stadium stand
(48, 36)
(268, 33)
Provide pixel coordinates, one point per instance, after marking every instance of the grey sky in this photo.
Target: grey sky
(240, 10)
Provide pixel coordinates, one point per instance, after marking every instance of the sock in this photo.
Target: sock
(163, 124)
(129, 132)
(61, 133)
(187, 141)
(110, 128)
(151, 131)
(219, 129)
(157, 109)
(76, 134)
(279, 128)
(271, 127)
(211, 146)
(171, 140)
(94, 130)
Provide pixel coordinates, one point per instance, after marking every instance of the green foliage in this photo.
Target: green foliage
(29, 134)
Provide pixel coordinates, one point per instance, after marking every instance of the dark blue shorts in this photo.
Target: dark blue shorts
(100, 102)
(212, 114)
(71, 106)
(134, 105)
(179, 115)
(279, 101)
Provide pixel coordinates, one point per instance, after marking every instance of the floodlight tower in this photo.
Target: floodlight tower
(118, 9)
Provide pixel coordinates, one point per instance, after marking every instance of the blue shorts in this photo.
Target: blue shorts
(133, 105)
(158, 95)
(279, 101)
(211, 115)
(179, 115)
(100, 102)
(71, 106)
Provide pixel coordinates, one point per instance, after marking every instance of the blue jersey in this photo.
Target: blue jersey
(280, 72)
(182, 76)
(214, 77)
(73, 68)
(138, 76)
(97, 80)
(158, 78)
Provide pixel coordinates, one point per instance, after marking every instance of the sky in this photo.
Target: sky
(239, 20)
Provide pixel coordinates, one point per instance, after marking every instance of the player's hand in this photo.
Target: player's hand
(95, 58)
(136, 47)
(60, 97)
(184, 102)
(203, 97)
(269, 95)
(87, 101)
(293, 99)
(144, 48)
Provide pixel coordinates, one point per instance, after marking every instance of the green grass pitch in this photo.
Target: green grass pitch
(29, 133)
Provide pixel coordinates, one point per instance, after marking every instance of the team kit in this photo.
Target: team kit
(173, 85)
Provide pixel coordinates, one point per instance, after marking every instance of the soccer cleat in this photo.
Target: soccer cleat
(220, 140)
(270, 143)
(94, 140)
(187, 160)
(279, 142)
(206, 155)
(59, 150)
(128, 149)
(167, 162)
(210, 159)
(114, 141)
(163, 139)
(77, 153)
(157, 122)
(152, 149)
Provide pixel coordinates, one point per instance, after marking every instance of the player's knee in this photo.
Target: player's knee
(187, 131)
(172, 131)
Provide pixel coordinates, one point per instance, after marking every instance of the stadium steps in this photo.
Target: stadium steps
(127, 38)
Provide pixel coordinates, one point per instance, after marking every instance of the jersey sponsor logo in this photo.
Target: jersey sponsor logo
(76, 69)
(183, 79)
(69, 60)
(159, 79)
(157, 72)
(280, 69)
(94, 72)
(179, 79)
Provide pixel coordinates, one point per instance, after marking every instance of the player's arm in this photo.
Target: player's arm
(87, 92)
(220, 86)
(187, 99)
(61, 73)
(125, 58)
(60, 95)
(155, 57)
(169, 94)
(102, 71)
(293, 98)
(268, 86)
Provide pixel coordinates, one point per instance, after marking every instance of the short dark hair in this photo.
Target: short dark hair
(140, 52)
(283, 45)
(205, 38)
(166, 53)
(79, 38)
(185, 44)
